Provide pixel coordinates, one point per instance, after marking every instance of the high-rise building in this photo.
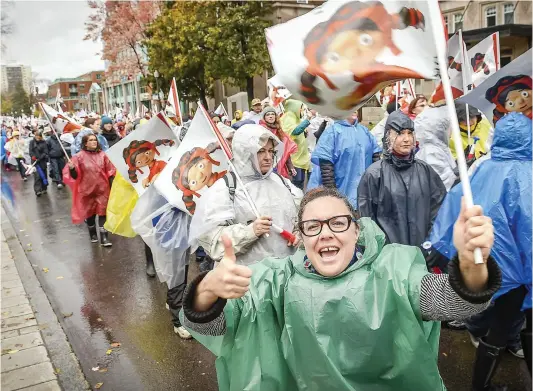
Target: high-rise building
(13, 75)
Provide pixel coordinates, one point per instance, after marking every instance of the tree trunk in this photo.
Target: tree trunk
(203, 98)
(250, 88)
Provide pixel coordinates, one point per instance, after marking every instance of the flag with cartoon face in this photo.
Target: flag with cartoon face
(277, 92)
(484, 58)
(338, 55)
(508, 90)
(60, 121)
(456, 52)
(142, 155)
(199, 161)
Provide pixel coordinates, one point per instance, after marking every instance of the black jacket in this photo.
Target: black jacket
(402, 196)
(38, 150)
(54, 149)
(112, 137)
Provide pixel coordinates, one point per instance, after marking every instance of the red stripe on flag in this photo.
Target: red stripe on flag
(221, 138)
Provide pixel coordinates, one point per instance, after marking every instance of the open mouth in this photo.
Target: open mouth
(328, 253)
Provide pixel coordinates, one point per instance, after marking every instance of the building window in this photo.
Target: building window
(490, 16)
(508, 13)
(98, 76)
(457, 22)
(446, 23)
(82, 85)
(506, 56)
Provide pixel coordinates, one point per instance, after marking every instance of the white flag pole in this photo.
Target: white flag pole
(54, 130)
(440, 40)
(465, 86)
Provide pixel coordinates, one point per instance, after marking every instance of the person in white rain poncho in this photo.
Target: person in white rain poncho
(224, 208)
(432, 132)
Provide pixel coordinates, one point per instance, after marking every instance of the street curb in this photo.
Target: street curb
(65, 362)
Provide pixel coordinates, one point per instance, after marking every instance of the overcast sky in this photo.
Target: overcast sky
(48, 36)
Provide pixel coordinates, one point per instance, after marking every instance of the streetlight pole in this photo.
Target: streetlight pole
(156, 75)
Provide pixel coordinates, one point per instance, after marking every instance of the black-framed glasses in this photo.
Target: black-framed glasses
(336, 224)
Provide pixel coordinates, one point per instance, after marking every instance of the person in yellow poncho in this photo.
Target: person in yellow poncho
(479, 128)
(293, 125)
(238, 116)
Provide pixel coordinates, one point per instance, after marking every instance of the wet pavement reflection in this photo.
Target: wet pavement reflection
(102, 296)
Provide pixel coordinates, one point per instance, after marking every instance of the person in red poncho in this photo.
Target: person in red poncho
(89, 175)
(271, 122)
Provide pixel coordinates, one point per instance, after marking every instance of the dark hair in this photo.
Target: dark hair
(392, 106)
(413, 104)
(320, 192)
(84, 140)
(89, 122)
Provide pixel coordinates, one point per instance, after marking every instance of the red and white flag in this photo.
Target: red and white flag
(200, 160)
(172, 108)
(455, 70)
(484, 59)
(60, 121)
(59, 101)
(332, 61)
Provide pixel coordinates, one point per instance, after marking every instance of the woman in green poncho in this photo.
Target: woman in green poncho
(348, 313)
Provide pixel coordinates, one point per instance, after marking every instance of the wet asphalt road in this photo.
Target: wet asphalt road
(104, 296)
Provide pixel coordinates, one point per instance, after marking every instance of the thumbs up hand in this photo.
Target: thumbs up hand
(227, 281)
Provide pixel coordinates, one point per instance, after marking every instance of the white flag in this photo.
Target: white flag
(484, 58)
(172, 108)
(59, 101)
(221, 110)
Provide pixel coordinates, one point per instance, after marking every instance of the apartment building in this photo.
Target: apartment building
(78, 93)
(13, 75)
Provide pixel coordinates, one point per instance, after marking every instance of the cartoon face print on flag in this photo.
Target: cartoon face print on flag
(196, 165)
(142, 155)
(506, 91)
(484, 58)
(455, 71)
(277, 92)
(339, 55)
(60, 121)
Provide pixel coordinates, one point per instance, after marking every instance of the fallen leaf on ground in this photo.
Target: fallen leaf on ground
(5, 313)
(59, 277)
(68, 315)
(102, 370)
(57, 371)
(444, 354)
(30, 318)
(22, 230)
(45, 269)
(109, 351)
(12, 351)
(115, 345)
(99, 319)
(98, 385)
(95, 369)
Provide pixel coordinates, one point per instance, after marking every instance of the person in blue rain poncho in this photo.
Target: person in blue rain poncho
(502, 186)
(343, 153)
(91, 125)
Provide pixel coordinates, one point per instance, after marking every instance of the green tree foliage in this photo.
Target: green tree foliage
(200, 41)
(21, 101)
(238, 39)
(177, 48)
(6, 105)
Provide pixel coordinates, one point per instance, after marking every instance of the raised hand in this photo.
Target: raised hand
(473, 230)
(227, 281)
(262, 225)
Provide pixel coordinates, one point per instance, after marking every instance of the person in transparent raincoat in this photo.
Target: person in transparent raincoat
(220, 212)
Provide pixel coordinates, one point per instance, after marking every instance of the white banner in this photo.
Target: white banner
(338, 55)
(484, 58)
(143, 154)
(508, 90)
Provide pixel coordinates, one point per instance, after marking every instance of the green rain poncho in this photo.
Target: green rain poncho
(289, 121)
(361, 330)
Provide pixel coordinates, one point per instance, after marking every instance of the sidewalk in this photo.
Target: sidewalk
(25, 361)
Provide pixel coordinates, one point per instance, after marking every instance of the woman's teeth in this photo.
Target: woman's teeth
(329, 252)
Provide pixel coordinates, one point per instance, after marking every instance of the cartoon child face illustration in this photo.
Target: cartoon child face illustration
(142, 153)
(194, 172)
(353, 46)
(351, 41)
(199, 174)
(518, 100)
(511, 94)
